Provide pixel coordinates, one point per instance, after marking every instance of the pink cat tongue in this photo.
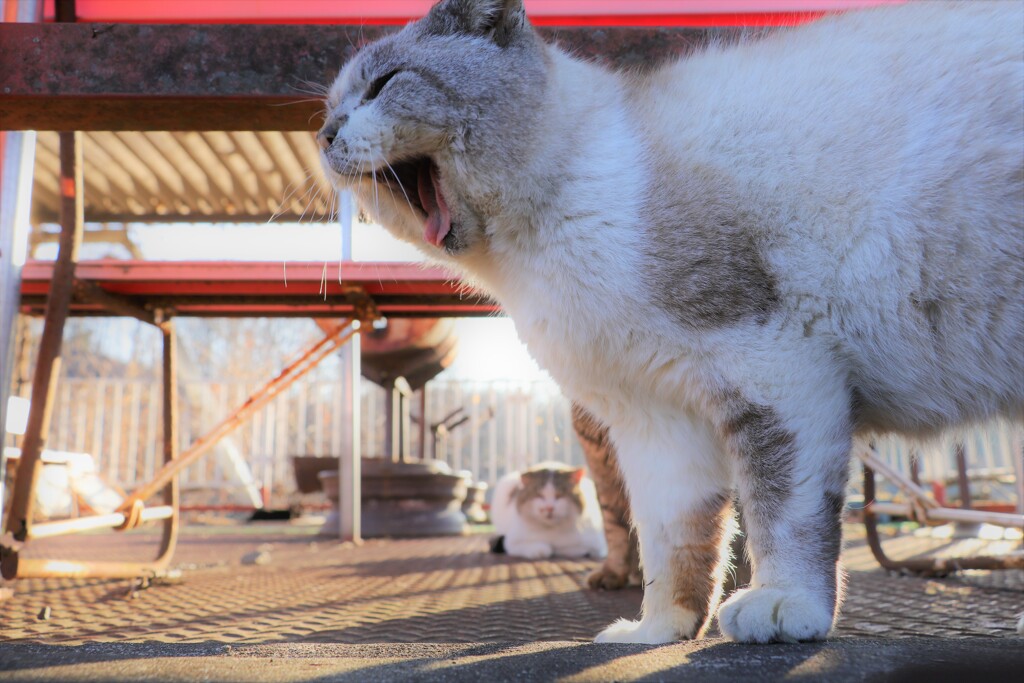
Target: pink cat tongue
(439, 219)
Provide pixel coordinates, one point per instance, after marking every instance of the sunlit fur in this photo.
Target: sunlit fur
(743, 263)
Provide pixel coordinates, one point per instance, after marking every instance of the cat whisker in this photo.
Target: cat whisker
(294, 102)
(311, 88)
(400, 186)
(289, 193)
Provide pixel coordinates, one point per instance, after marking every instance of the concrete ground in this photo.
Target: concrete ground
(274, 603)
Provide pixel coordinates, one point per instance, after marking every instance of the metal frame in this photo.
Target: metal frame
(19, 527)
(133, 510)
(258, 289)
(923, 509)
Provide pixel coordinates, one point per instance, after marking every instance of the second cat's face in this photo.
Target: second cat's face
(417, 122)
(550, 497)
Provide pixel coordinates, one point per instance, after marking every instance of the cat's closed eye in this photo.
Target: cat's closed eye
(378, 85)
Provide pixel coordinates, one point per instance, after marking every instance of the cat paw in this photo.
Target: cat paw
(648, 631)
(531, 551)
(607, 579)
(768, 615)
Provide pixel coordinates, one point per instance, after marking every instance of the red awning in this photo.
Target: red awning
(542, 12)
(260, 289)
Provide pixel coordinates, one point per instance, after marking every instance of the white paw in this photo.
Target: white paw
(531, 551)
(649, 631)
(766, 615)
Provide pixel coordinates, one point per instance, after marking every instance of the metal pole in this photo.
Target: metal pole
(404, 419)
(396, 423)
(44, 383)
(350, 458)
(962, 478)
(170, 400)
(17, 152)
(389, 427)
(17, 157)
(424, 427)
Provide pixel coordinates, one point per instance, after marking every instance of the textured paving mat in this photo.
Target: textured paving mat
(442, 590)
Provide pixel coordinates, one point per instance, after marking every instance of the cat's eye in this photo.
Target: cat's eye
(378, 85)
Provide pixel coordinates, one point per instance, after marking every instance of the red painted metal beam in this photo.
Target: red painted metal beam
(541, 12)
(259, 289)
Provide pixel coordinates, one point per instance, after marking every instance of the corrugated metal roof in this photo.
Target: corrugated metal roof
(189, 176)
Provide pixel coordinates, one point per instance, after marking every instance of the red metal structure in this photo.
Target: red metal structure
(256, 289)
(693, 13)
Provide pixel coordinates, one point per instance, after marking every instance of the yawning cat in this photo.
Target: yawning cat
(741, 262)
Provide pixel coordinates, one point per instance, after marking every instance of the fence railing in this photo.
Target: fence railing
(510, 425)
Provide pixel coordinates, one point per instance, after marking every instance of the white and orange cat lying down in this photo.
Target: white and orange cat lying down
(549, 510)
(743, 263)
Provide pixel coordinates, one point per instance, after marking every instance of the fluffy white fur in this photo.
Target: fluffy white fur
(548, 525)
(875, 156)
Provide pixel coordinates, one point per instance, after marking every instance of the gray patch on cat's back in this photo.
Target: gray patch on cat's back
(704, 267)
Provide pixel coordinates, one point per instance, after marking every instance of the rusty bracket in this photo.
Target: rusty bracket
(364, 308)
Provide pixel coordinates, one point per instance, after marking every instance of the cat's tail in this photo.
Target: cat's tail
(498, 545)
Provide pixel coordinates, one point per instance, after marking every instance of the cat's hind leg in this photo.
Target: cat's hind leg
(678, 483)
(792, 471)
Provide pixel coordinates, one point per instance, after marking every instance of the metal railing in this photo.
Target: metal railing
(510, 425)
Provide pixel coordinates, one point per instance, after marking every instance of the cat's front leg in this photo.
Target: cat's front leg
(792, 479)
(677, 480)
(531, 550)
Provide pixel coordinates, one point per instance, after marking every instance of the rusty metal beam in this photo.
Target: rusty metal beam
(189, 77)
(117, 304)
(44, 382)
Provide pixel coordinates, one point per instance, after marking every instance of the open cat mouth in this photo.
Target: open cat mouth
(417, 181)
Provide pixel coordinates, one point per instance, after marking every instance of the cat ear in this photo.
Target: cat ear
(500, 20)
(577, 475)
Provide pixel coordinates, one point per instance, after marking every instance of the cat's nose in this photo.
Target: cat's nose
(325, 138)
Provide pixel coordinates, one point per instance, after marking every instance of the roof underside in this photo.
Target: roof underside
(186, 176)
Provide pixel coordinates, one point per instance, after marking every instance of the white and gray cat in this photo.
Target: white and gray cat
(743, 262)
(549, 510)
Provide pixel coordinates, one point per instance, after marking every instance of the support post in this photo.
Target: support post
(962, 478)
(350, 498)
(424, 425)
(405, 415)
(394, 425)
(169, 539)
(44, 382)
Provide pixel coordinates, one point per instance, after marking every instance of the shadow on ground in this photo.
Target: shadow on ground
(911, 659)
